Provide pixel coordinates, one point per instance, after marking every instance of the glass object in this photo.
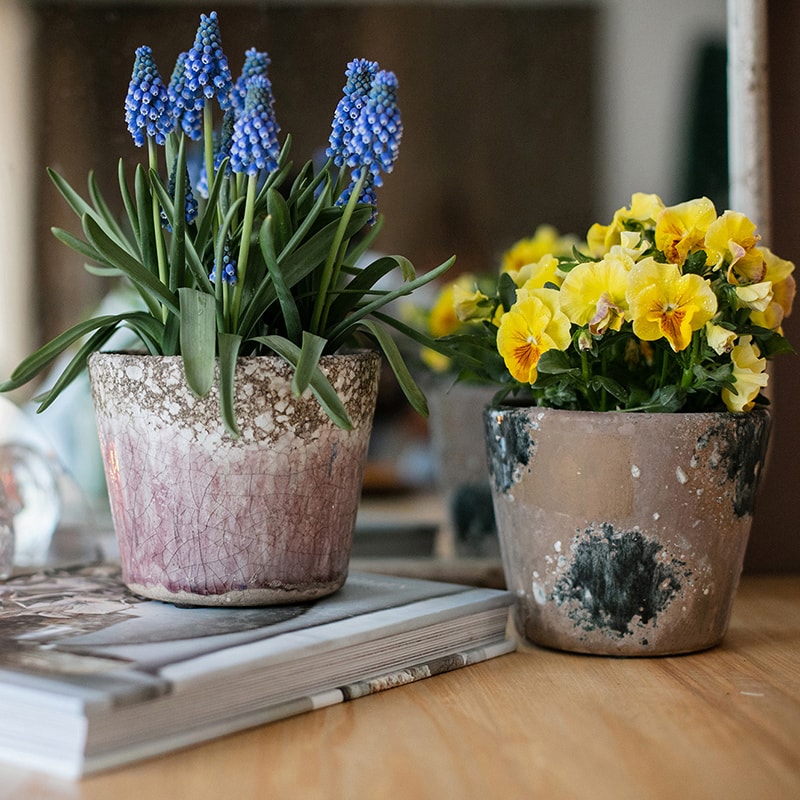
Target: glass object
(30, 504)
(6, 536)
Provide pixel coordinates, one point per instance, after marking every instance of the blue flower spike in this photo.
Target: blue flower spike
(255, 63)
(229, 275)
(254, 145)
(186, 115)
(207, 74)
(359, 73)
(366, 129)
(376, 137)
(147, 107)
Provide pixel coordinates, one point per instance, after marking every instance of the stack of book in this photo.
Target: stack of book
(93, 677)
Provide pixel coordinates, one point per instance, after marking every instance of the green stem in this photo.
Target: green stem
(688, 370)
(208, 142)
(161, 256)
(333, 263)
(662, 381)
(586, 374)
(244, 249)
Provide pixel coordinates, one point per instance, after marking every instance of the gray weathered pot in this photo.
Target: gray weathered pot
(456, 413)
(624, 534)
(203, 518)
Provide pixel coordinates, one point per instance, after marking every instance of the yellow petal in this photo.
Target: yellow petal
(470, 305)
(537, 274)
(532, 326)
(681, 229)
(545, 241)
(729, 239)
(749, 376)
(664, 303)
(720, 339)
(757, 296)
(593, 285)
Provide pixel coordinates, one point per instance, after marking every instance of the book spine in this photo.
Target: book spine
(429, 669)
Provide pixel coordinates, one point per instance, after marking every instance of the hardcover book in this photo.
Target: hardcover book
(92, 676)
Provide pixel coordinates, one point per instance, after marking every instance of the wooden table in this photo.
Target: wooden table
(532, 724)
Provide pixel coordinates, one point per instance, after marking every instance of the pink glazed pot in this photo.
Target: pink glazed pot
(203, 518)
(623, 533)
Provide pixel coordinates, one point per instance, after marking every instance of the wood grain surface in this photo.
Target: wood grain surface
(533, 724)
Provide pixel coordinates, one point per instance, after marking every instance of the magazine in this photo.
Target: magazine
(92, 676)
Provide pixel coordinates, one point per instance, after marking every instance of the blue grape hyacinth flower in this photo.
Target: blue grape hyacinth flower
(366, 196)
(148, 112)
(255, 63)
(254, 144)
(229, 275)
(191, 208)
(186, 115)
(207, 74)
(377, 132)
(360, 73)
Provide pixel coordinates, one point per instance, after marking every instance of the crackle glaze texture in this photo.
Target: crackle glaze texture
(623, 534)
(203, 518)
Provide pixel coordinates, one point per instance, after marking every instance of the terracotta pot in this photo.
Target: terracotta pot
(624, 534)
(203, 518)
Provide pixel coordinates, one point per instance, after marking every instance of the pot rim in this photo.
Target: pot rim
(529, 408)
(131, 354)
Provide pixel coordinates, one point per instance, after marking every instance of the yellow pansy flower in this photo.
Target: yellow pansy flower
(644, 208)
(663, 302)
(779, 272)
(470, 305)
(732, 239)
(632, 246)
(719, 339)
(593, 294)
(601, 238)
(443, 319)
(757, 296)
(532, 326)
(537, 274)
(435, 360)
(749, 376)
(681, 229)
(545, 241)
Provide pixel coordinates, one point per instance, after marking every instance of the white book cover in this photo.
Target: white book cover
(92, 676)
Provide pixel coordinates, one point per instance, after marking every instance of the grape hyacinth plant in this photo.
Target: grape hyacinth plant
(257, 256)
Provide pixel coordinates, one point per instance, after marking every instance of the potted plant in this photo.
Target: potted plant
(234, 443)
(629, 428)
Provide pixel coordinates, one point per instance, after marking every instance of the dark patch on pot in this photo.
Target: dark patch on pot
(508, 445)
(741, 441)
(616, 577)
(334, 453)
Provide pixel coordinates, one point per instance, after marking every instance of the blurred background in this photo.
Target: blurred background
(516, 114)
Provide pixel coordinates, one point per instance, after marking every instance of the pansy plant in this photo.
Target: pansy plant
(256, 255)
(666, 309)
